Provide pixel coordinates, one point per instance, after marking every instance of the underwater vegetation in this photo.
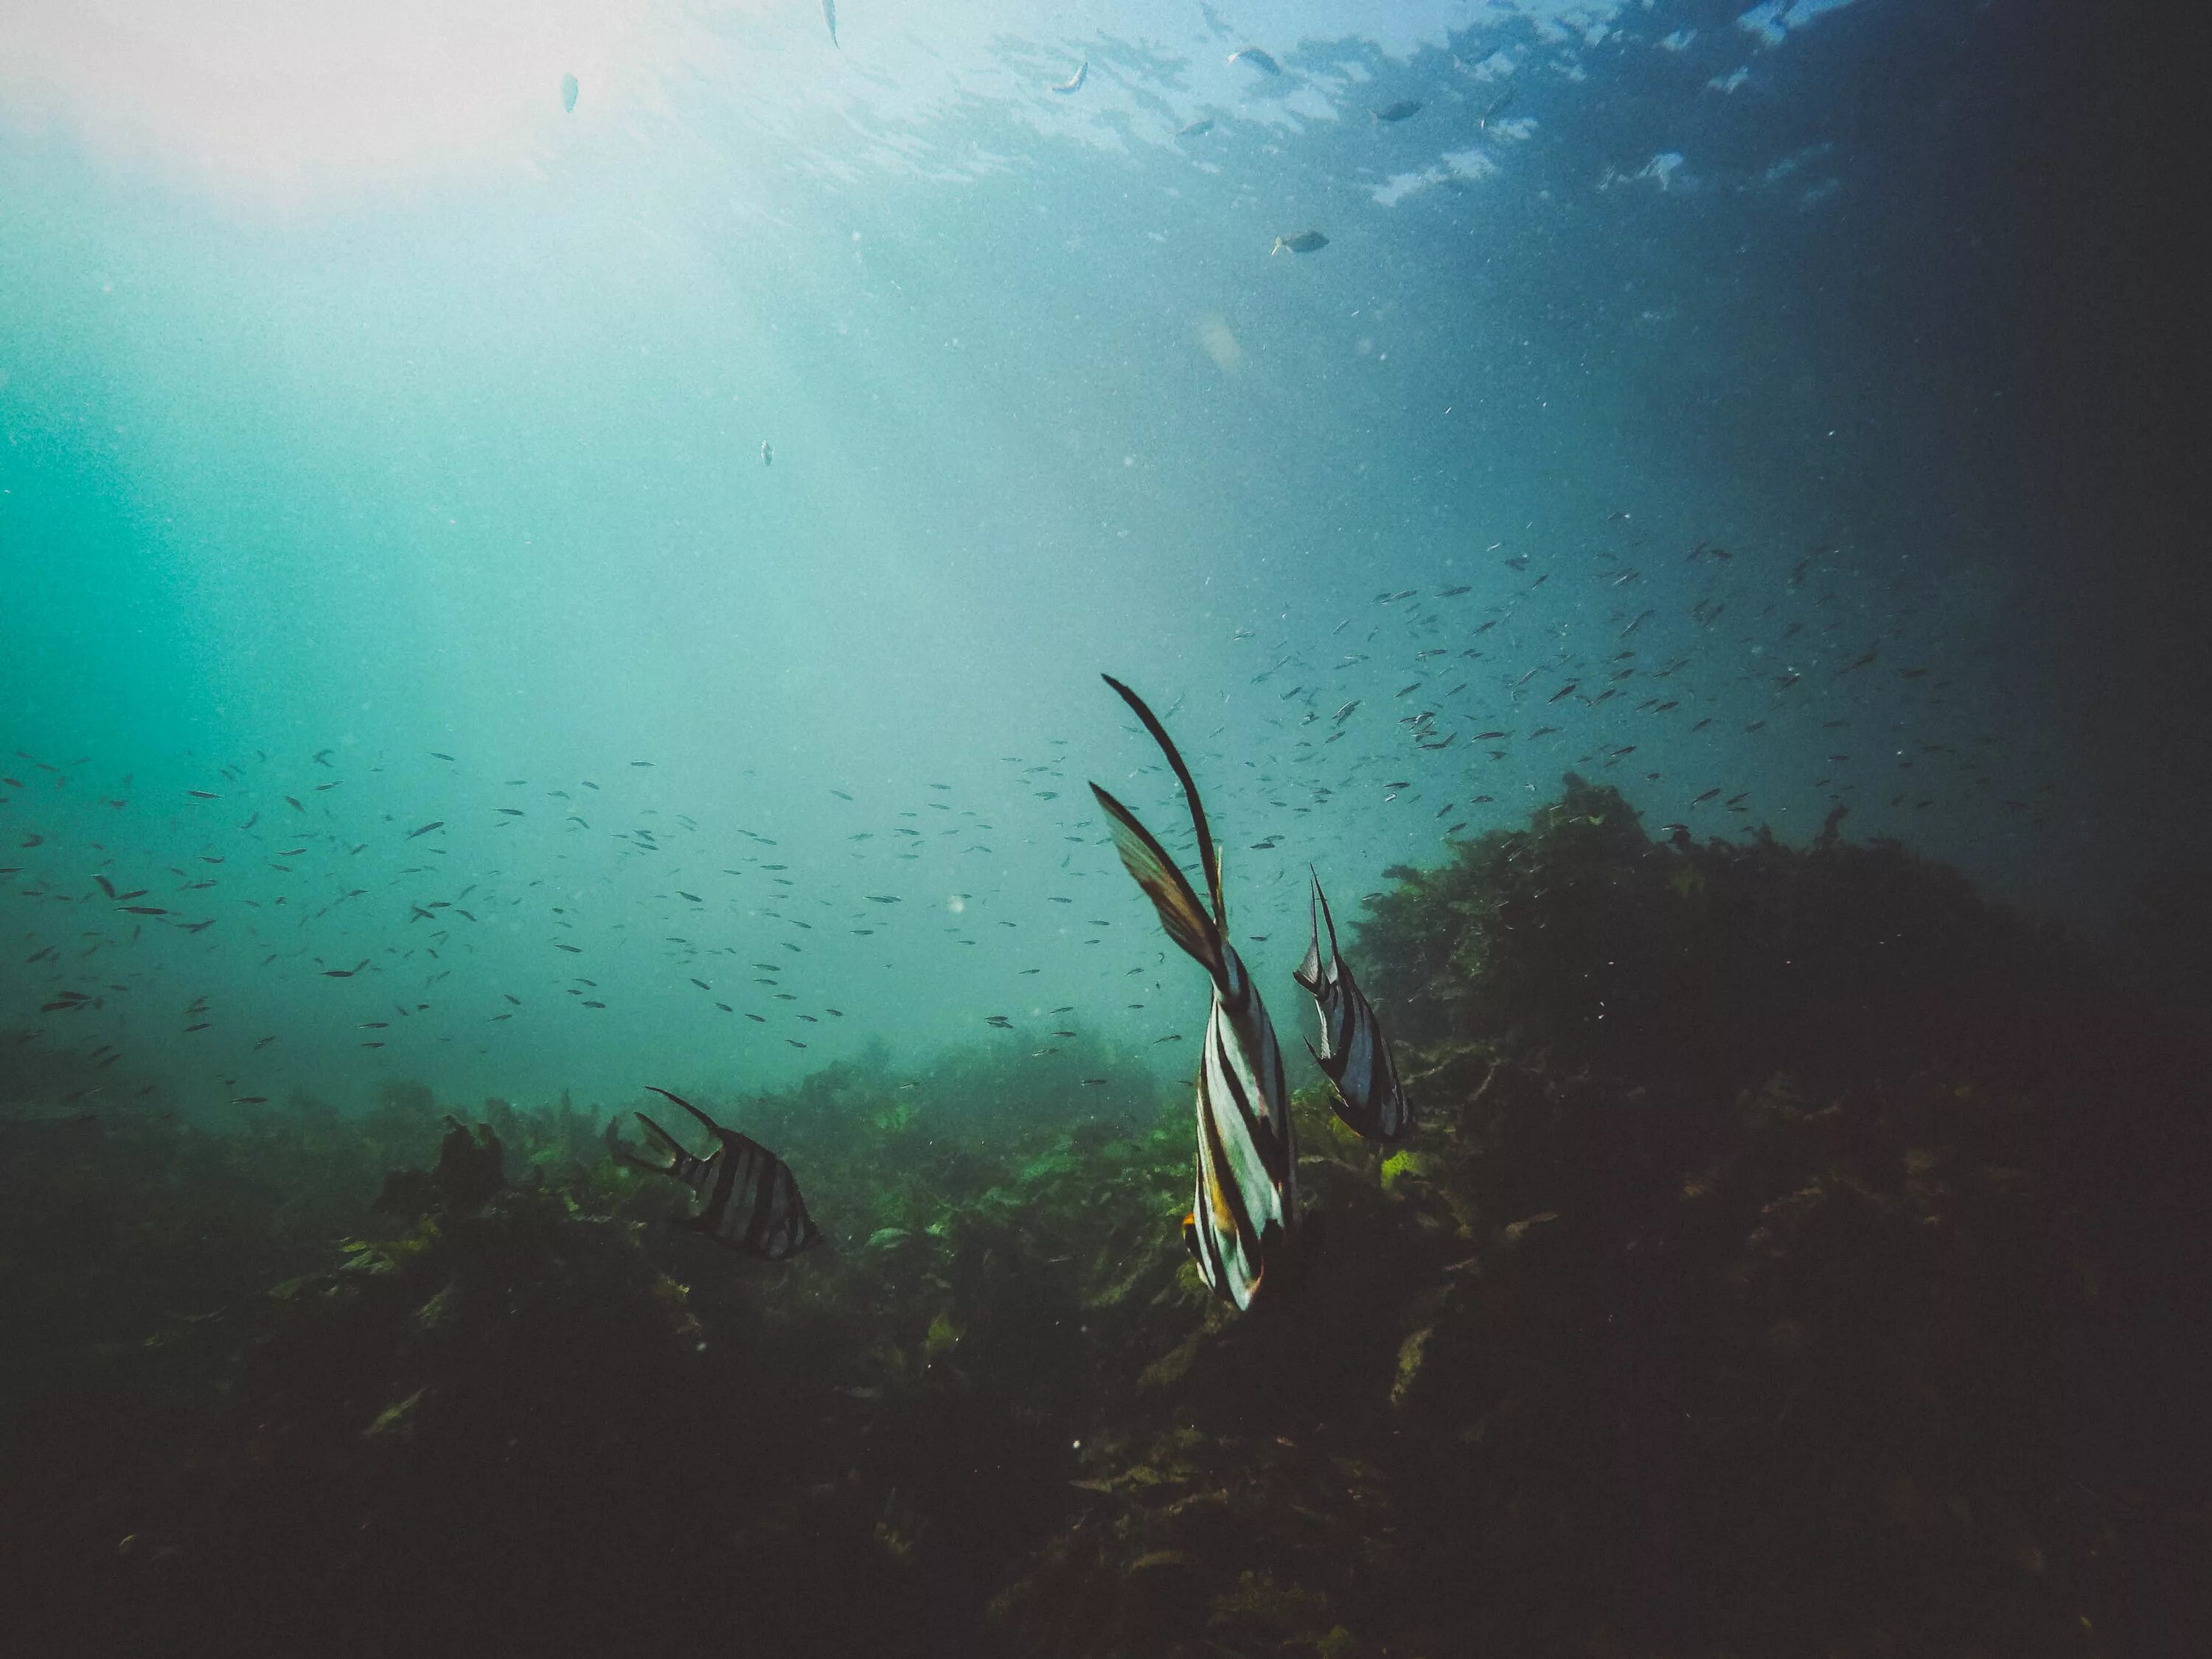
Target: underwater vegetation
(1746, 1282)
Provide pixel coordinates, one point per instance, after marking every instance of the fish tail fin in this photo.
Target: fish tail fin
(1180, 912)
(1209, 859)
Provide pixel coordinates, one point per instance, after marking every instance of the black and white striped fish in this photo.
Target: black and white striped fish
(1354, 1054)
(749, 1199)
(1245, 1218)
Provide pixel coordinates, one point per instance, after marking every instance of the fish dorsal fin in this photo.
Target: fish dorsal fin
(1334, 954)
(713, 1127)
(1209, 859)
(1309, 971)
(1180, 912)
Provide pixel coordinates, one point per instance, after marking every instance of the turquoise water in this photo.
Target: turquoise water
(362, 402)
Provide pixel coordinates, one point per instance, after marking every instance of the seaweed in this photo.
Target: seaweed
(1729, 1295)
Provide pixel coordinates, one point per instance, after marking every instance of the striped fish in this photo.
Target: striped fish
(749, 1199)
(1244, 1218)
(1354, 1054)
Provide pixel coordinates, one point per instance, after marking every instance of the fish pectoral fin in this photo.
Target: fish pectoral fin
(1333, 1070)
(1275, 1268)
(622, 1154)
(1183, 916)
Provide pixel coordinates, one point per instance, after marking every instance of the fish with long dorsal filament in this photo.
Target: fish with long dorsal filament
(1354, 1055)
(1244, 1220)
(749, 1199)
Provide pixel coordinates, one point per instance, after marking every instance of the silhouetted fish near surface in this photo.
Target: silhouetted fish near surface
(1197, 129)
(569, 93)
(1074, 83)
(1244, 1218)
(1404, 109)
(1258, 59)
(749, 1199)
(1354, 1055)
(1306, 241)
(829, 16)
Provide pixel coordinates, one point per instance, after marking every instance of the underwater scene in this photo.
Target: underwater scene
(1098, 828)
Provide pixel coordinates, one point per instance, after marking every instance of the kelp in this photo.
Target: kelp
(1714, 963)
(1726, 1298)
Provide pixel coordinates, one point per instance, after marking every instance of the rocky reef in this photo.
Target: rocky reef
(1748, 1285)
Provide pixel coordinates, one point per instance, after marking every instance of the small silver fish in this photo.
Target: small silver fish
(1074, 83)
(1258, 59)
(829, 16)
(1306, 241)
(767, 454)
(1197, 129)
(569, 93)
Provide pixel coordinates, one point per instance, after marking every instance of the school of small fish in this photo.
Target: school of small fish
(301, 870)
